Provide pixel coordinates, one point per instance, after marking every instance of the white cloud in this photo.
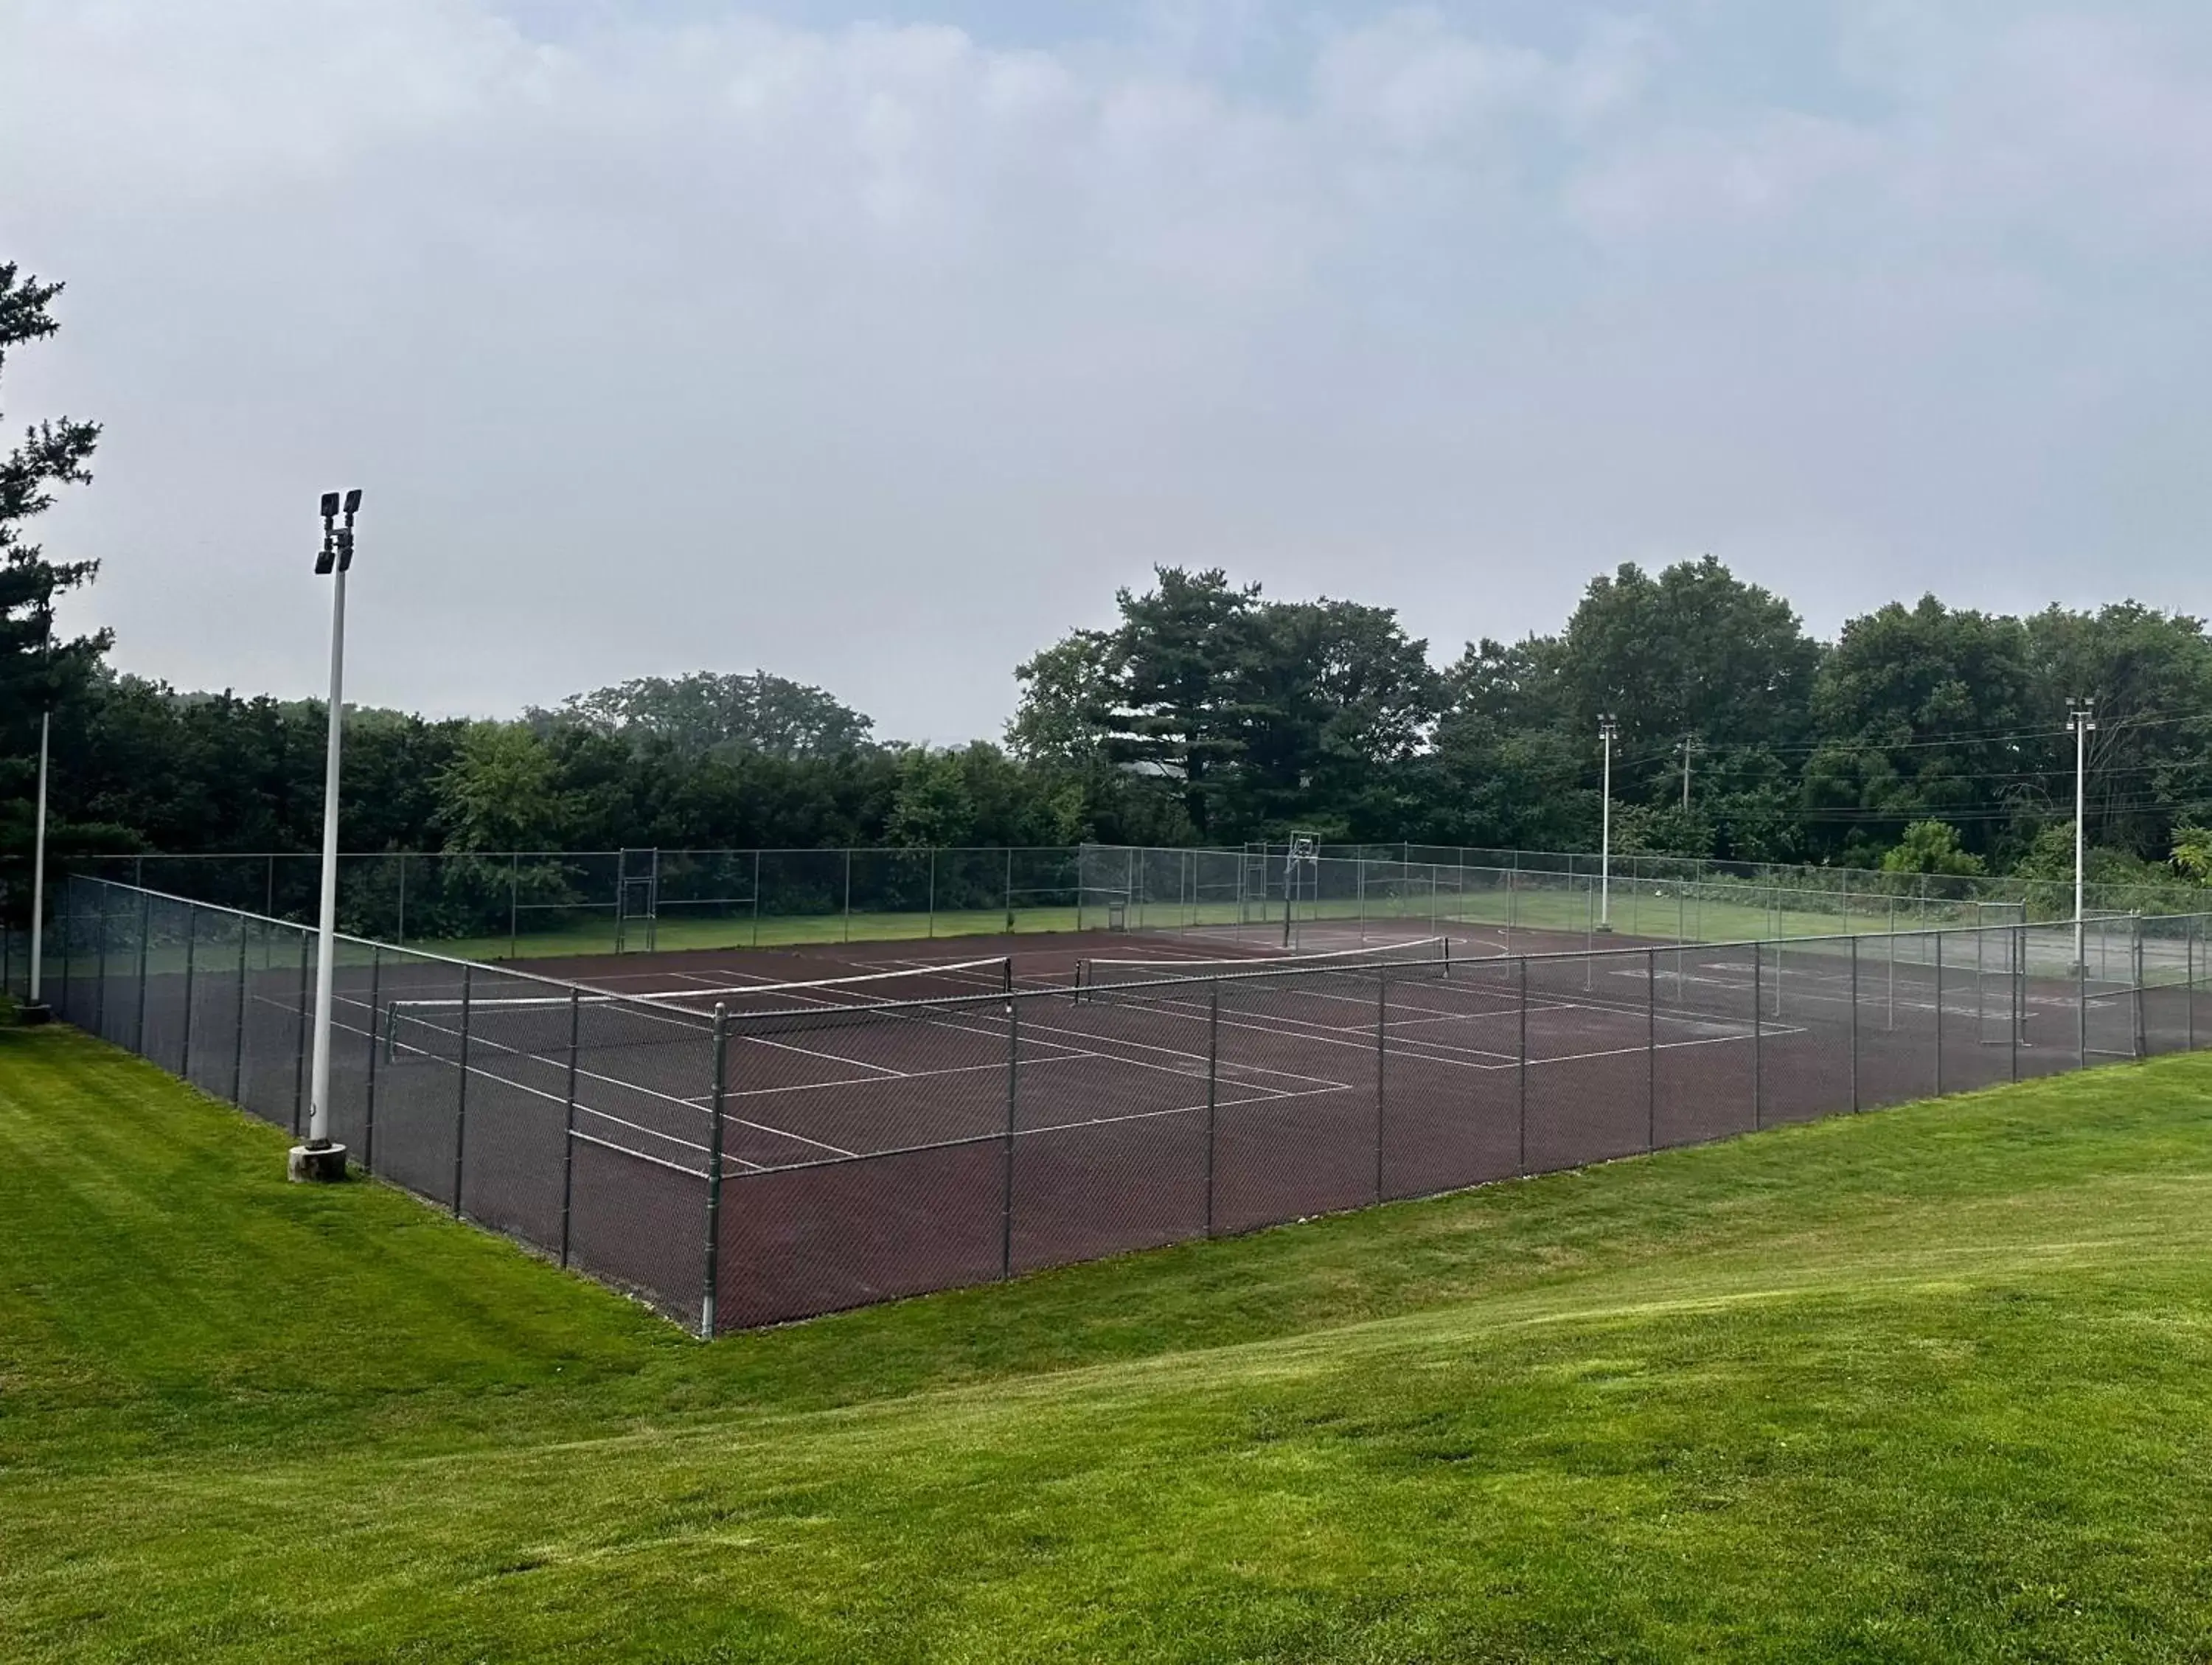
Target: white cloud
(879, 355)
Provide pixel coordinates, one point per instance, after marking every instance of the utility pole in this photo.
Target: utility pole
(2081, 723)
(35, 1011)
(1689, 744)
(319, 1158)
(1606, 732)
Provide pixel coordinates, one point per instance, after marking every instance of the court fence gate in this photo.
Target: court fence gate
(762, 1163)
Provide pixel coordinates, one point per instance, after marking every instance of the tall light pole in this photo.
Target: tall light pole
(2081, 723)
(1606, 732)
(320, 1158)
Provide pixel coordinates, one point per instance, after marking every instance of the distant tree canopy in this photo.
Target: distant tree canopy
(706, 714)
(1925, 738)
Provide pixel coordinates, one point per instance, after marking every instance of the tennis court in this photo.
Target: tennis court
(894, 1118)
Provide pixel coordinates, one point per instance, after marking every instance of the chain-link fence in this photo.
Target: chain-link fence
(869, 1145)
(527, 905)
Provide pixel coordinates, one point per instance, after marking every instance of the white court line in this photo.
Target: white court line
(535, 1092)
(608, 1081)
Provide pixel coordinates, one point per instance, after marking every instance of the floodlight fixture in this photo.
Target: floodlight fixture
(331, 505)
(353, 502)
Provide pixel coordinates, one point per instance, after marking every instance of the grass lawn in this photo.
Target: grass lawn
(1926, 1384)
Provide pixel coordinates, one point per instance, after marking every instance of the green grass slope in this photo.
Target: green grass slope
(1926, 1384)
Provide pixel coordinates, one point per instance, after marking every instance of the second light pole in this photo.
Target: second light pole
(321, 1158)
(1606, 732)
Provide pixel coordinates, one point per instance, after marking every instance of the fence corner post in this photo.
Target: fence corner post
(1007, 1160)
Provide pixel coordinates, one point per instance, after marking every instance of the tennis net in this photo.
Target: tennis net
(435, 1029)
(1105, 973)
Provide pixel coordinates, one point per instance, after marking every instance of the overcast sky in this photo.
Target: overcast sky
(878, 348)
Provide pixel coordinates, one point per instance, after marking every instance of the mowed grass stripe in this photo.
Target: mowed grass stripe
(1923, 1383)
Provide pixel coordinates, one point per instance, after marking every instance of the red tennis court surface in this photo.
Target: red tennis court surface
(871, 1152)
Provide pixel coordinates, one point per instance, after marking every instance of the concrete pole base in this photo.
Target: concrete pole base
(32, 1013)
(324, 1164)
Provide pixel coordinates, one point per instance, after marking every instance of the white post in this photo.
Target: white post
(1605, 731)
(2079, 719)
(322, 1157)
(318, 1100)
(39, 863)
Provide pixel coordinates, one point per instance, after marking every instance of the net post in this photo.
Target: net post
(145, 930)
(461, 1095)
(568, 1118)
(375, 1001)
(1758, 1041)
(1006, 975)
(1212, 1081)
(238, 1036)
(1007, 1155)
(1381, 1054)
(191, 942)
(713, 1164)
(299, 1051)
(1521, 1071)
(1853, 942)
(1650, 1048)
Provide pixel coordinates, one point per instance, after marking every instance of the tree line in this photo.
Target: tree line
(1924, 735)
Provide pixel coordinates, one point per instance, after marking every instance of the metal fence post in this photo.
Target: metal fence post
(191, 942)
(1650, 1048)
(1010, 890)
(513, 902)
(400, 936)
(713, 1170)
(848, 893)
(1006, 1157)
(2016, 991)
(100, 967)
(300, 1038)
(1939, 1014)
(145, 931)
(368, 1101)
(2081, 1011)
(461, 1093)
(68, 916)
(569, 1114)
(1521, 1070)
(933, 891)
(1381, 1053)
(2140, 1039)
(757, 867)
(1853, 942)
(1212, 1080)
(1758, 1043)
(238, 1039)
